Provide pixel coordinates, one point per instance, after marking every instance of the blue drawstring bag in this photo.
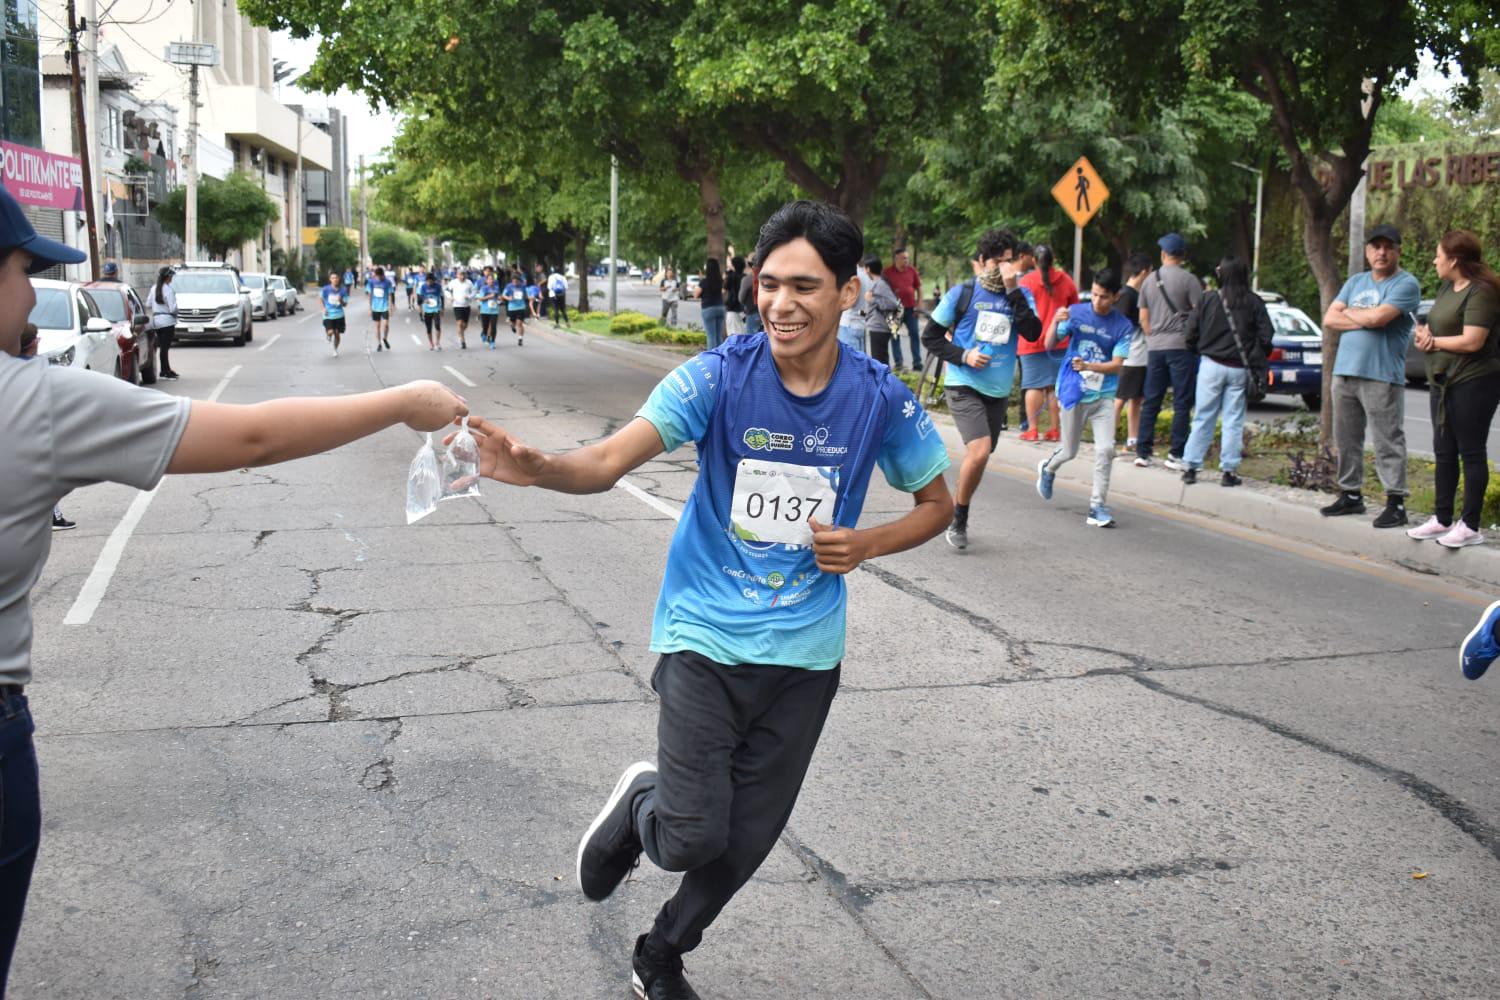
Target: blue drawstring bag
(1070, 386)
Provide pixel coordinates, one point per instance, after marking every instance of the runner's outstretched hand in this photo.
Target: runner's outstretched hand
(431, 406)
(837, 550)
(502, 457)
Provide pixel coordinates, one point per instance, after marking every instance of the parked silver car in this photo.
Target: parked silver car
(212, 304)
(262, 299)
(286, 296)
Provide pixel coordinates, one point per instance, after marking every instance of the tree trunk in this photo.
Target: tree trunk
(713, 212)
(1317, 243)
(581, 265)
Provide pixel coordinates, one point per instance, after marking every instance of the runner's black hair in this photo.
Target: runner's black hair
(995, 242)
(1044, 262)
(1234, 281)
(837, 239)
(872, 264)
(1136, 263)
(1108, 279)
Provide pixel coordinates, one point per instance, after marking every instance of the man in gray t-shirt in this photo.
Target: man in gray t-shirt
(1168, 296)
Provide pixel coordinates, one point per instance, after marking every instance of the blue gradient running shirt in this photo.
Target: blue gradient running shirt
(741, 583)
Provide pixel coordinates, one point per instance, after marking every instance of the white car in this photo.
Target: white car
(262, 298)
(71, 329)
(286, 295)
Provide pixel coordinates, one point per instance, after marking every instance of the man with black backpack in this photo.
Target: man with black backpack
(985, 314)
(1168, 297)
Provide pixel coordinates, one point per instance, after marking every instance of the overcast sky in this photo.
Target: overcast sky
(369, 133)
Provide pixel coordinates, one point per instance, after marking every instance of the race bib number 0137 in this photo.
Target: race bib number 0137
(773, 500)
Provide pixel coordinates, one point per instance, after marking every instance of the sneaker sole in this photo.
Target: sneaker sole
(1092, 523)
(631, 773)
(637, 988)
(1041, 470)
(951, 542)
(1472, 633)
(1462, 545)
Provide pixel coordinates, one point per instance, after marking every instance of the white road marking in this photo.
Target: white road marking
(416, 340)
(459, 375)
(94, 588)
(654, 502)
(268, 343)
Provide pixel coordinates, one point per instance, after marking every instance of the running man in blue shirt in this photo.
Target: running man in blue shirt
(516, 306)
(1098, 344)
(334, 296)
(985, 316)
(382, 290)
(489, 307)
(789, 428)
(431, 294)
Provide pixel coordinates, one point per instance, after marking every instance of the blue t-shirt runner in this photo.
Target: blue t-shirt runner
(431, 293)
(986, 324)
(334, 298)
(380, 294)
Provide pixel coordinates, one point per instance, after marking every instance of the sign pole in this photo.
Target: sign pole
(81, 128)
(1078, 256)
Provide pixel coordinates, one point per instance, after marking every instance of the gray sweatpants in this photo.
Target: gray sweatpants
(1101, 412)
(1356, 402)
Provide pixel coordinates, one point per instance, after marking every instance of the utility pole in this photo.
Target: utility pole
(364, 220)
(300, 218)
(192, 55)
(614, 232)
(91, 97)
(81, 129)
(1260, 187)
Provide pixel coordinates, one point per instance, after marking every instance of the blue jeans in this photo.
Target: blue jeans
(713, 325)
(1220, 388)
(853, 337)
(752, 323)
(1175, 370)
(909, 317)
(21, 824)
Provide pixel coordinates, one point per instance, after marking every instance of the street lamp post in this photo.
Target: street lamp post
(1260, 185)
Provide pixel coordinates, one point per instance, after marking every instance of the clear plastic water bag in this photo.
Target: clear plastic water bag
(423, 484)
(460, 465)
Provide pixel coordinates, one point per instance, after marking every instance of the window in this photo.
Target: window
(114, 129)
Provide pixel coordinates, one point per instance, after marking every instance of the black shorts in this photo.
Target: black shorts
(1132, 383)
(516, 315)
(380, 314)
(975, 414)
(334, 325)
(461, 312)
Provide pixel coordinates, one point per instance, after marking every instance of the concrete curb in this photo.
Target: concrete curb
(1291, 515)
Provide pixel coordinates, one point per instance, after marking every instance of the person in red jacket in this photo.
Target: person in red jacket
(906, 282)
(1051, 289)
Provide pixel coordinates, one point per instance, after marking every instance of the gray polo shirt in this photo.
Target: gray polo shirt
(65, 428)
(1169, 325)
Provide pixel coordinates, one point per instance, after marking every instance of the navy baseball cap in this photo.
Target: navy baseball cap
(1384, 231)
(16, 233)
(1173, 244)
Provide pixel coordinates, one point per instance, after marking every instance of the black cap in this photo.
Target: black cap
(1384, 231)
(16, 231)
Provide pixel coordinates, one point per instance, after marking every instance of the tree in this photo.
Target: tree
(231, 212)
(335, 251)
(393, 245)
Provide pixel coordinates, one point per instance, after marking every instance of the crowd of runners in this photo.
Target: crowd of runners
(489, 291)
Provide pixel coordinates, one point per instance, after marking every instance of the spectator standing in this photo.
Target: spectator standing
(1462, 341)
(882, 312)
(749, 304)
(906, 282)
(671, 294)
(1374, 314)
(852, 320)
(1025, 259)
(1168, 298)
(1052, 290)
(1132, 387)
(557, 284)
(1230, 331)
(164, 319)
(734, 313)
(711, 298)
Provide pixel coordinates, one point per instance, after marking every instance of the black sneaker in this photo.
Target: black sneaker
(1347, 503)
(1190, 476)
(1394, 515)
(60, 523)
(655, 976)
(1230, 479)
(609, 848)
(169, 376)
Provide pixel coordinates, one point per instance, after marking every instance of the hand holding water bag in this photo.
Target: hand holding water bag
(423, 484)
(460, 466)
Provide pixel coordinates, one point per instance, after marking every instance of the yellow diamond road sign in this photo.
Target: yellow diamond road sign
(1081, 192)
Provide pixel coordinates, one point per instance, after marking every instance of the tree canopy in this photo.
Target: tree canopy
(231, 212)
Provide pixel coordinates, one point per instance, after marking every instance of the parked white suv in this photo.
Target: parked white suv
(212, 303)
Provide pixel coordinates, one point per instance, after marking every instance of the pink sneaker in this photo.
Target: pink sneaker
(1460, 535)
(1429, 529)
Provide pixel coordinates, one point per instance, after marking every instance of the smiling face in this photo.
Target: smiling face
(800, 300)
(16, 299)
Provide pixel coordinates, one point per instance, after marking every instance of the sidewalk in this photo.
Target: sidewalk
(1289, 515)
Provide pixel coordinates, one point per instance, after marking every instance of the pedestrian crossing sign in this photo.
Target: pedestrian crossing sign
(1081, 192)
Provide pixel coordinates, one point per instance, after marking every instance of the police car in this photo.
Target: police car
(1296, 359)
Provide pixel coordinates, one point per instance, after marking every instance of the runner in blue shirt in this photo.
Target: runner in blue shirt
(431, 295)
(382, 290)
(348, 281)
(974, 330)
(517, 306)
(789, 428)
(1099, 343)
(335, 296)
(489, 307)
(534, 300)
(411, 287)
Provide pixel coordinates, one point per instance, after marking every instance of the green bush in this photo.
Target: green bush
(627, 323)
(593, 315)
(692, 338)
(1491, 514)
(654, 334)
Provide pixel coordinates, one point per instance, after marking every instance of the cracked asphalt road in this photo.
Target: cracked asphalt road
(305, 750)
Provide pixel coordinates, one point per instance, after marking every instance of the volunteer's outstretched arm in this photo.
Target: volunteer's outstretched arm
(221, 436)
(841, 550)
(591, 469)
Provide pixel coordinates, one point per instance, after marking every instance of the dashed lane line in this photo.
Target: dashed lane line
(460, 376)
(267, 344)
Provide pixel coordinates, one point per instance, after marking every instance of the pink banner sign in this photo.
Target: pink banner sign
(36, 177)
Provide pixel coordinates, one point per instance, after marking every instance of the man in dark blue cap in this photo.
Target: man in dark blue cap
(1168, 298)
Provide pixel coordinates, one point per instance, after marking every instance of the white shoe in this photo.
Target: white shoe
(1175, 464)
(1429, 529)
(1460, 535)
(1142, 462)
